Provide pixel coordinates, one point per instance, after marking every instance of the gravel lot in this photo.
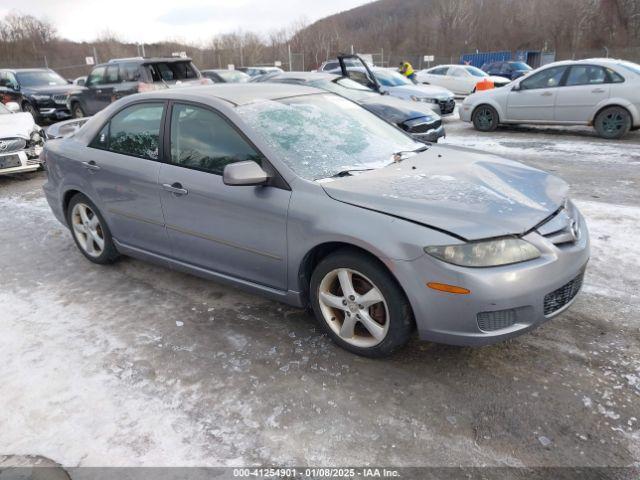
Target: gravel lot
(135, 364)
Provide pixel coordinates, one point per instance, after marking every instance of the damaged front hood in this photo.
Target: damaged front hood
(428, 91)
(16, 125)
(468, 193)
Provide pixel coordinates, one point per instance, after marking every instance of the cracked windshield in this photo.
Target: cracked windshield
(319, 136)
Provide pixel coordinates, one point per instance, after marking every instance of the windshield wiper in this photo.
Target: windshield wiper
(344, 173)
(397, 156)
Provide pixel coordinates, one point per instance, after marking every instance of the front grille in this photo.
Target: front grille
(557, 299)
(60, 99)
(496, 320)
(8, 145)
(447, 106)
(425, 127)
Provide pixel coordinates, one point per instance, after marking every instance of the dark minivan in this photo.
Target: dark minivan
(120, 77)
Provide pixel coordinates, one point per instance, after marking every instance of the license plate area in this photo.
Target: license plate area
(10, 161)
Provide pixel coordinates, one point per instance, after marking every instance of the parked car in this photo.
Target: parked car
(334, 64)
(226, 76)
(124, 76)
(420, 121)
(307, 198)
(80, 81)
(604, 93)
(21, 140)
(44, 92)
(510, 69)
(387, 81)
(254, 71)
(460, 79)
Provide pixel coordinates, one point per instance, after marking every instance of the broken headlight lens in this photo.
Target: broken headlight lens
(486, 253)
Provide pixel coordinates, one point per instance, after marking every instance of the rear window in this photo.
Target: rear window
(171, 71)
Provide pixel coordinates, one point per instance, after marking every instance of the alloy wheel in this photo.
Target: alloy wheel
(485, 118)
(353, 307)
(87, 230)
(613, 122)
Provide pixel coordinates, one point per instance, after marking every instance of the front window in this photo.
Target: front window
(387, 78)
(549, 78)
(203, 140)
(520, 66)
(233, 76)
(476, 72)
(318, 136)
(40, 78)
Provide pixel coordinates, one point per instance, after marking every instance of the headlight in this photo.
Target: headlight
(486, 253)
(41, 98)
(423, 99)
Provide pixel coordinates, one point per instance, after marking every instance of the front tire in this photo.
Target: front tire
(360, 305)
(77, 110)
(90, 231)
(613, 123)
(485, 118)
(27, 107)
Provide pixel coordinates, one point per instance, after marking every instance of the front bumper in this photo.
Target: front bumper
(18, 162)
(512, 299)
(465, 112)
(54, 113)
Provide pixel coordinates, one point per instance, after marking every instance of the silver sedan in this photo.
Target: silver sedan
(309, 199)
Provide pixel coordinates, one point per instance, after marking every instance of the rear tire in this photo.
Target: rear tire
(360, 305)
(613, 123)
(485, 118)
(90, 231)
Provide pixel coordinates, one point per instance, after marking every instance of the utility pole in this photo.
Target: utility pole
(143, 54)
(289, 49)
(95, 56)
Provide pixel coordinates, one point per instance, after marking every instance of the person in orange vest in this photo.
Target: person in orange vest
(407, 70)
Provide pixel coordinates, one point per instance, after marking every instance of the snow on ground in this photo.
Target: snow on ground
(614, 268)
(595, 151)
(52, 410)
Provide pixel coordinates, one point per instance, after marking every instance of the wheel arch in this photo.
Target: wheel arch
(629, 107)
(490, 104)
(316, 254)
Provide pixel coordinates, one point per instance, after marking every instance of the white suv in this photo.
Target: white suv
(604, 93)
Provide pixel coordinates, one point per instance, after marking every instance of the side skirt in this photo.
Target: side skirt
(289, 297)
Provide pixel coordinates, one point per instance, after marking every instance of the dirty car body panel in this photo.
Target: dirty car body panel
(433, 197)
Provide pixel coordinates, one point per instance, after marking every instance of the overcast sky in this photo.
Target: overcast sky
(190, 20)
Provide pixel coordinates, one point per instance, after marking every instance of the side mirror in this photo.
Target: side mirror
(516, 88)
(13, 107)
(244, 173)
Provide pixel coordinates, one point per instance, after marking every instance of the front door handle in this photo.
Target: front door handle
(90, 165)
(175, 188)
(546, 94)
(598, 90)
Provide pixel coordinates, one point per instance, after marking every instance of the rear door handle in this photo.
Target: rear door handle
(90, 165)
(546, 94)
(597, 90)
(175, 188)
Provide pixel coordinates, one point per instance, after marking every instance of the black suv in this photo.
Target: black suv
(110, 81)
(44, 92)
(510, 69)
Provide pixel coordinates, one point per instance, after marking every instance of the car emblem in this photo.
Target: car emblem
(3, 146)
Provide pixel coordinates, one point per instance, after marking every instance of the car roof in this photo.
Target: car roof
(306, 76)
(17, 70)
(143, 60)
(221, 70)
(236, 94)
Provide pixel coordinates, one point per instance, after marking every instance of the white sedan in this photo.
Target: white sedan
(21, 140)
(604, 93)
(460, 79)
